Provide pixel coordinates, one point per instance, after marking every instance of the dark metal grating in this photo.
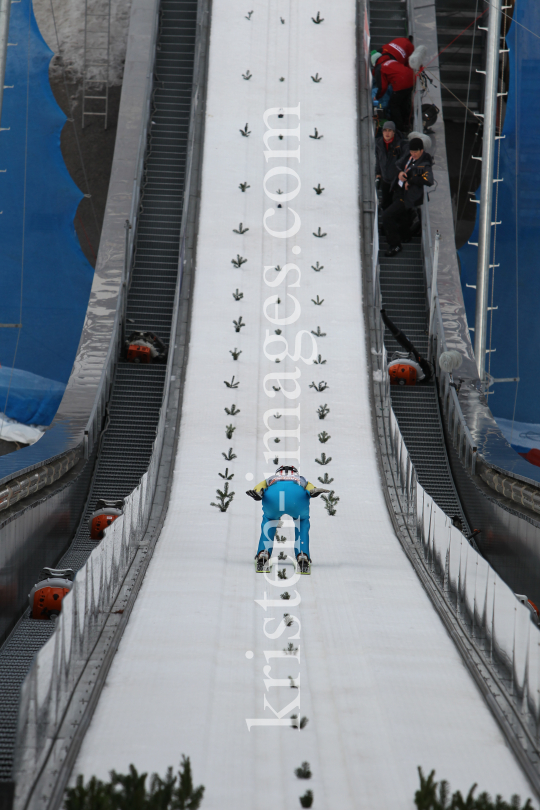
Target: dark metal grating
(137, 392)
(404, 296)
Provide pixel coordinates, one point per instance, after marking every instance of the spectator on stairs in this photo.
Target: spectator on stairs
(388, 72)
(414, 172)
(400, 48)
(390, 146)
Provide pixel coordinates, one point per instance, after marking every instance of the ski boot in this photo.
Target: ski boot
(261, 562)
(304, 563)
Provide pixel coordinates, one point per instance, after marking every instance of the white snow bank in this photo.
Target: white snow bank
(13, 431)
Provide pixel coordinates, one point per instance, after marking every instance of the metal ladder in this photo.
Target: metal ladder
(97, 45)
(137, 392)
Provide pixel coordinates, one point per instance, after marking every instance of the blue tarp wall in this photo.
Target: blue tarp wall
(45, 278)
(515, 325)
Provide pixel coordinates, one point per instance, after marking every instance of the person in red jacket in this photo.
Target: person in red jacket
(400, 48)
(388, 72)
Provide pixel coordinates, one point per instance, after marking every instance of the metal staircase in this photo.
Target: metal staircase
(404, 296)
(137, 393)
(459, 61)
(387, 20)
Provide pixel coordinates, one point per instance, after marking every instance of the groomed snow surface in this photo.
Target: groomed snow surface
(381, 683)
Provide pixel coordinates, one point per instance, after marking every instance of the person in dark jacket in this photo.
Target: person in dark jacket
(389, 148)
(414, 172)
(388, 72)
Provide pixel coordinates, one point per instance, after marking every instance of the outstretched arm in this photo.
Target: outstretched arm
(257, 492)
(314, 491)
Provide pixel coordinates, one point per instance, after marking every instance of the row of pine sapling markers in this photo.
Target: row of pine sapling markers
(225, 496)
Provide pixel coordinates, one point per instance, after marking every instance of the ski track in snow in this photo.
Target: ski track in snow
(381, 682)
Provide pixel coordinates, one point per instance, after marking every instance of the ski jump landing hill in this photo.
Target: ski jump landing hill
(201, 668)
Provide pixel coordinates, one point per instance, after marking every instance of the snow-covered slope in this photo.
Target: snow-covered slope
(381, 684)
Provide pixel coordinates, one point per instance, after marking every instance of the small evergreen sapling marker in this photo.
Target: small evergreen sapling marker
(288, 619)
(429, 798)
(282, 556)
(304, 772)
(238, 324)
(245, 132)
(323, 411)
(319, 361)
(325, 479)
(322, 386)
(248, 15)
(226, 475)
(232, 383)
(293, 684)
(235, 353)
(239, 261)
(282, 79)
(230, 455)
(232, 411)
(319, 234)
(318, 189)
(318, 19)
(229, 430)
(275, 460)
(282, 574)
(318, 333)
(247, 76)
(317, 267)
(307, 799)
(317, 78)
(323, 437)
(277, 268)
(318, 301)
(290, 649)
(294, 721)
(130, 791)
(237, 295)
(323, 459)
(243, 186)
(330, 502)
(285, 595)
(241, 230)
(282, 20)
(316, 136)
(224, 498)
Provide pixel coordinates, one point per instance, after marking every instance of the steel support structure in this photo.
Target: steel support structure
(486, 193)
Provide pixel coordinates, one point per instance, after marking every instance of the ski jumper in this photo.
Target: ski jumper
(285, 494)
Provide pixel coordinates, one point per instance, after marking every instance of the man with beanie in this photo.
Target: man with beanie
(414, 172)
(389, 148)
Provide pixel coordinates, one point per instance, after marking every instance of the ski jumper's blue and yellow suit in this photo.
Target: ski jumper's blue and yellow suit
(285, 493)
